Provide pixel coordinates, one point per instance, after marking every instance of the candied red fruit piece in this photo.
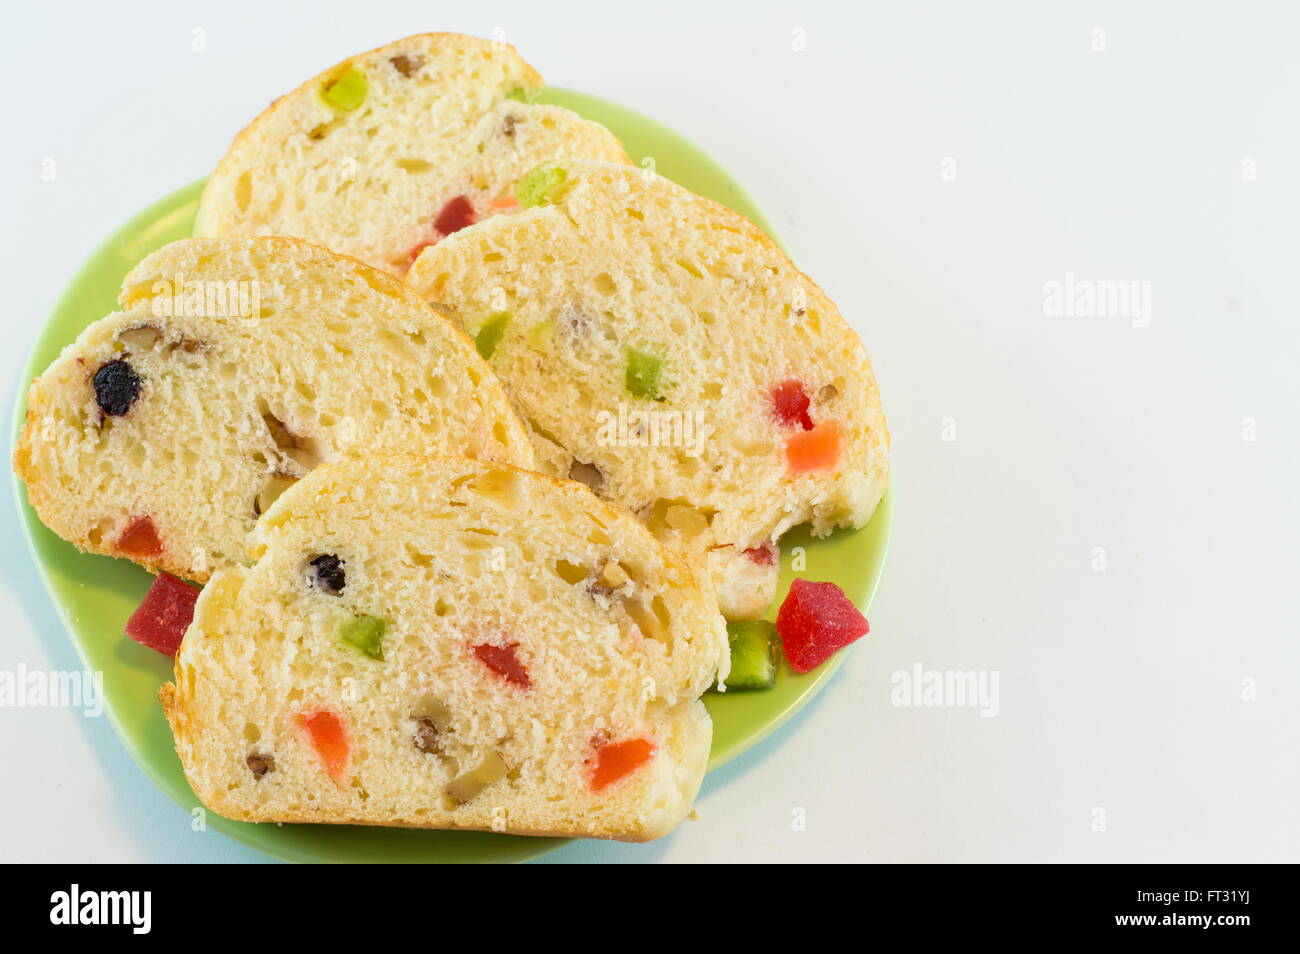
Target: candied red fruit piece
(815, 620)
(503, 661)
(790, 405)
(764, 555)
(140, 539)
(163, 616)
(329, 738)
(415, 252)
(455, 215)
(616, 760)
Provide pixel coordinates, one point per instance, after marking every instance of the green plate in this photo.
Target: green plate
(94, 595)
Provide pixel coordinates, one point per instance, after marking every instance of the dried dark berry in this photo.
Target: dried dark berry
(327, 574)
(426, 735)
(259, 765)
(509, 125)
(116, 387)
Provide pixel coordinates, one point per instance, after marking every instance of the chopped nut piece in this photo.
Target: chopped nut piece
(406, 63)
(426, 736)
(468, 785)
(429, 706)
(140, 338)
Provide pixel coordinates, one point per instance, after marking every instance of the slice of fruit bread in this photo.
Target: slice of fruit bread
(449, 644)
(392, 149)
(233, 368)
(663, 350)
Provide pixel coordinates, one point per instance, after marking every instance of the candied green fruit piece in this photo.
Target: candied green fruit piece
(541, 186)
(490, 333)
(642, 376)
(365, 634)
(524, 94)
(347, 91)
(753, 654)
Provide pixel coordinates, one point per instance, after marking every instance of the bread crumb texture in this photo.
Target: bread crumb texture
(232, 370)
(662, 349)
(393, 149)
(530, 660)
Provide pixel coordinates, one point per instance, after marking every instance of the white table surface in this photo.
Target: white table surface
(1169, 157)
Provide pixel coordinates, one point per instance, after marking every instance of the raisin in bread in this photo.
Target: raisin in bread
(662, 349)
(388, 151)
(449, 644)
(234, 366)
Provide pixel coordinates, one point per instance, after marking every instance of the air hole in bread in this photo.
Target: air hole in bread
(101, 530)
(274, 486)
(572, 573)
(317, 133)
(588, 474)
(414, 166)
(244, 191)
(418, 558)
(652, 621)
(303, 451)
(605, 284)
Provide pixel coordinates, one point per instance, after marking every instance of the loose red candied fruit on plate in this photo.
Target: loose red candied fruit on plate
(790, 405)
(815, 620)
(164, 615)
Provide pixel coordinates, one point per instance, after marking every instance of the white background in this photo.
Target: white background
(1120, 689)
